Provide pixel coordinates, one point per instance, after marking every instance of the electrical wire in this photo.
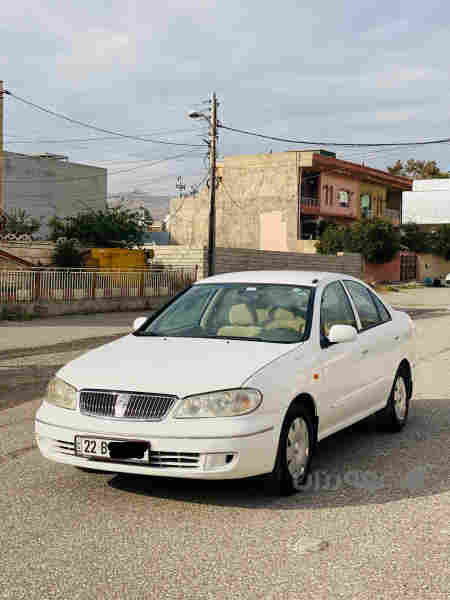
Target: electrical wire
(335, 144)
(111, 173)
(94, 127)
(91, 139)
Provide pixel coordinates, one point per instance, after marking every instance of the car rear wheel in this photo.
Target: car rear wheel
(295, 449)
(395, 415)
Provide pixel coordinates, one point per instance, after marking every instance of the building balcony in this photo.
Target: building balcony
(388, 214)
(310, 205)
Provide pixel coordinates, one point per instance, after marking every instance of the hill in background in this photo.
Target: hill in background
(157, 205)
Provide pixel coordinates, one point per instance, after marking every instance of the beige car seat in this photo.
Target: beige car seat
(242, 323)
(285, 319)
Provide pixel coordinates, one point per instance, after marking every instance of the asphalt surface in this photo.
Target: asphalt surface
(373, 524)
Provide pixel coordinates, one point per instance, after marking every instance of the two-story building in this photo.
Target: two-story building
(278, 201)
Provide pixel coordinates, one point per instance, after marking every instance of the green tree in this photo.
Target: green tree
(67, 254)
(418, 169)
(377, 240)
(331, 240)
(18, 221)
(440, 241)
(415, 239)
(104, 228)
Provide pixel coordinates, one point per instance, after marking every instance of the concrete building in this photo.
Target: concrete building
(428, 203)
(277, 201)
(46, 185)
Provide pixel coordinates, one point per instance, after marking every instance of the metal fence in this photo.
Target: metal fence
(68, 285)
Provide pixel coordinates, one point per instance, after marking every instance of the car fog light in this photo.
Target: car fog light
(218, 460)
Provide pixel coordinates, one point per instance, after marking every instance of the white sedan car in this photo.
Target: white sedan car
(239, 375)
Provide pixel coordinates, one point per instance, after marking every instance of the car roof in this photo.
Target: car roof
(309, 278)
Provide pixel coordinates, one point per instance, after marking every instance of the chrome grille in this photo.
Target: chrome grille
(180, 460)
(152, 407)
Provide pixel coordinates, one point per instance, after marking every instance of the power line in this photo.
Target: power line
(91, 139)
(337, 144)
(94, 127)
(73, 179)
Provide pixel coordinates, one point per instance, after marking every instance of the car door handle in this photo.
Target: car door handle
(396, 338)
(365, 351)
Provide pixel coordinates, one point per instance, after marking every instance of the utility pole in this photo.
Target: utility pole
(212, 120)
(2, 208)
(212, 186)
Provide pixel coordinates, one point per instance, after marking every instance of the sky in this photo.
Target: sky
(366, 72)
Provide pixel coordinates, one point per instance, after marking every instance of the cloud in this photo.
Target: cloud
(371, 71)
(96, 49)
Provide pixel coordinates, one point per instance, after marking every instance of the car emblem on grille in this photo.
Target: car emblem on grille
(121, 406)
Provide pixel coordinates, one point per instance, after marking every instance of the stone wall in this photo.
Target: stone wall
(256, 205)
(244, 259)
(42, 309)
(239, 259)
(181, 256)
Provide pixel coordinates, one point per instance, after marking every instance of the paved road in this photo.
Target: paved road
(374, 524)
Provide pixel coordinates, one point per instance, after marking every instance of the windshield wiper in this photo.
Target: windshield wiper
(147, 334)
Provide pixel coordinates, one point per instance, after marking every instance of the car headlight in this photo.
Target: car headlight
(61, 394)
(227, 403)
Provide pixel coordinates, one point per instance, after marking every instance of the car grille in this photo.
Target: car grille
(180, 460)
(147, 407)
(161, 460)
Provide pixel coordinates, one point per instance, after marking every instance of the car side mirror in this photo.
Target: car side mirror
(342, 333)
(138, 322)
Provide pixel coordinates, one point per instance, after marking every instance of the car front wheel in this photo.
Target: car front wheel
(294, 454)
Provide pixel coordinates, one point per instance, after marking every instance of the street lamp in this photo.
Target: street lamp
(212, 120)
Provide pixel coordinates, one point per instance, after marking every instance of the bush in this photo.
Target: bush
(377, 240)
(67, 254)
(440, 241)
(415, 239)
(105, 228)
(331, 240)
(18, 221)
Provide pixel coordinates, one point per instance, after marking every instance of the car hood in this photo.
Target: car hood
(178, 366)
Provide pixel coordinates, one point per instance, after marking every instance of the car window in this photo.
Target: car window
(364, 303)
(335, 308)
(382, 310)
(193, 304)
(261, 312)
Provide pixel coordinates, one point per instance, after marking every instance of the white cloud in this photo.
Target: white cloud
(97, 49)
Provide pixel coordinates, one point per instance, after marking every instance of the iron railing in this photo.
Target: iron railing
(310, 201)
(68, 285)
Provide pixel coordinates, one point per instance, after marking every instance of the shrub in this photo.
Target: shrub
(67, 253)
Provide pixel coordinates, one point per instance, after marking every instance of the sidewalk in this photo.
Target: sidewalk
(426, 297)
(66, 328)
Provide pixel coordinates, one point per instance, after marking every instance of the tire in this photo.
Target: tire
(288, 477)
(395, 414)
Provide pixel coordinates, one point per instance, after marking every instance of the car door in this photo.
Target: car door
(342, 364)
(378, 343)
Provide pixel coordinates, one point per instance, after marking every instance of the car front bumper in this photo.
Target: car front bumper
(194, 450)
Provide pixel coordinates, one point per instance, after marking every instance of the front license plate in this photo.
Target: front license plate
(117, 450)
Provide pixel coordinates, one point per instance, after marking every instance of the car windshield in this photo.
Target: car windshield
(260, 312)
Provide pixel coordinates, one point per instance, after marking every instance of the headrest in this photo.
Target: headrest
(282, 313)
(240, 314)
